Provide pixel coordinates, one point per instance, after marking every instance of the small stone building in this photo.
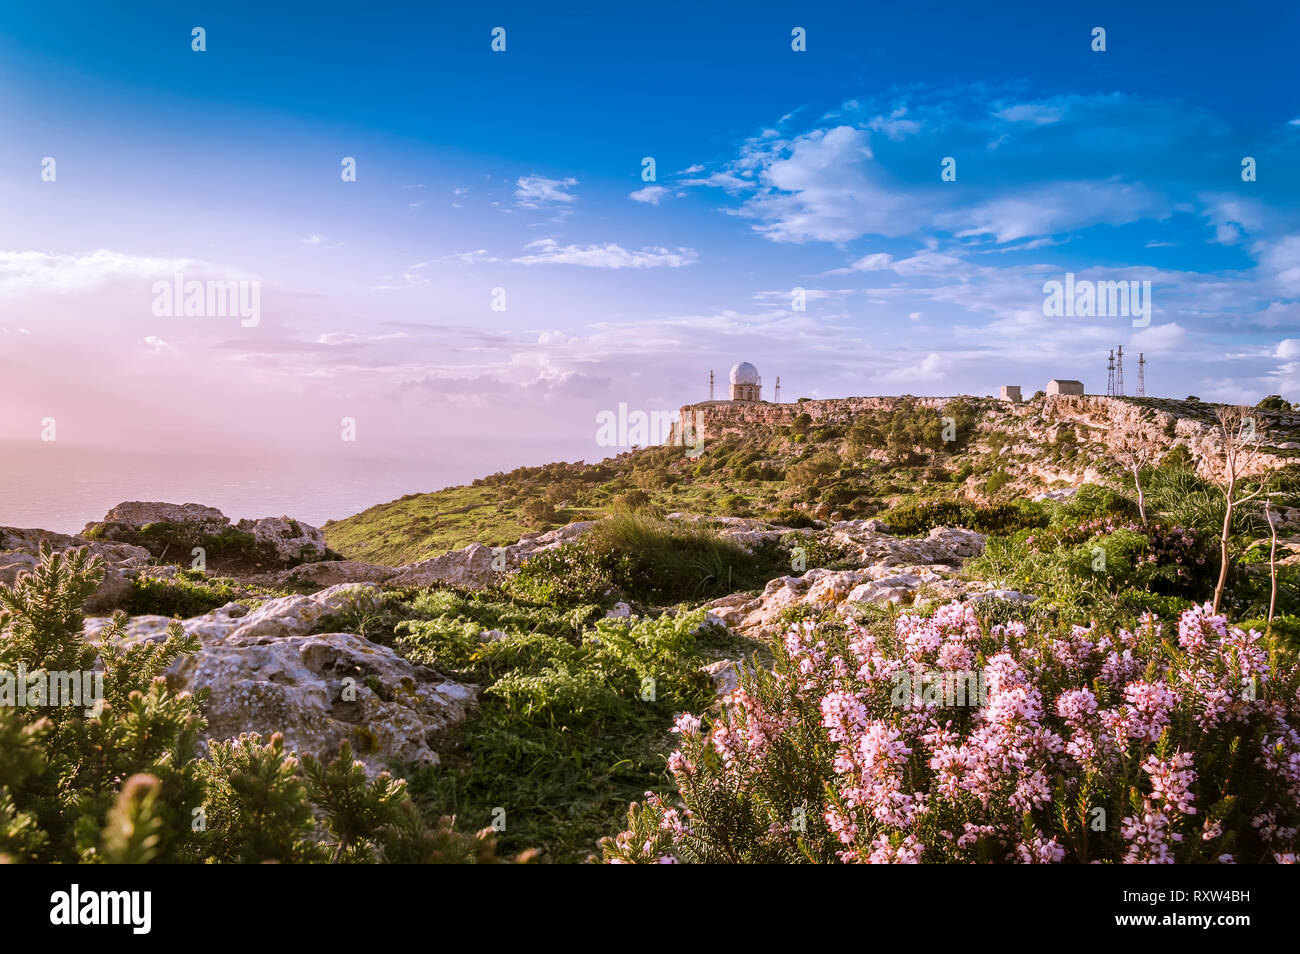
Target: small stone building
(1060, 386)
(1011, 392)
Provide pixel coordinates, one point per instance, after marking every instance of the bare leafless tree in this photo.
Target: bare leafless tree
(1272, 562)
(1137, 458)
(1240, 437)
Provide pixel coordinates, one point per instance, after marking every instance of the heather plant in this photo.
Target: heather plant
(1158, 744)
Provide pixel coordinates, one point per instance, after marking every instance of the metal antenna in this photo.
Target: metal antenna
(1142, 377)
(778, 389)
(1119, 371)
(1110, 373)
(710, 385)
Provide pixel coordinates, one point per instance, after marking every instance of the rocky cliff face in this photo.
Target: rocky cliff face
(1113, 425)
(715, 419)
(1100, 425)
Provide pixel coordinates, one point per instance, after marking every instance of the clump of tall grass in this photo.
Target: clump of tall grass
(642, 557)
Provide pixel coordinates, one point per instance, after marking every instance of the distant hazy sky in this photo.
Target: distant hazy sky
(522, 170)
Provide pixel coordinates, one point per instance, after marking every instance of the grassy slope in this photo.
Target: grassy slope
(763, 473)
(739, 476)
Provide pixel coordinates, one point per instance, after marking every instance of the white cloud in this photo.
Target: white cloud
(610, 255)
(535, 192)
(1039, 114)
(932, 367)
(895, 126)
(1282, 259)
(1288, 349)
(155, 345)
(1057, 207)
(875, 262)
(652, 194)
(1159, 338)
(39, 271)
(476, 257)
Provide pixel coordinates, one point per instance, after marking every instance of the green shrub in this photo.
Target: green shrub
(646, 559)
(998, 518)
(189, 593)
(997, 480)
(1094, 500)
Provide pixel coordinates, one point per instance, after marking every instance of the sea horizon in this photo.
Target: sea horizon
(61, 486)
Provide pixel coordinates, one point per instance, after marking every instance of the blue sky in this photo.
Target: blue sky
(522, 170)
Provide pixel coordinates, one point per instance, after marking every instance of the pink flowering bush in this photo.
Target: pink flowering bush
(1158, 745)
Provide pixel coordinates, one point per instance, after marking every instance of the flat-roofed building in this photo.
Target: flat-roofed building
(1061, 386)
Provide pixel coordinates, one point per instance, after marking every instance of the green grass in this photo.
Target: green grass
(574, 716)
(424, 525)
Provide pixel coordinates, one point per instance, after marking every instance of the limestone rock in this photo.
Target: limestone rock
(267, 672)
(136, 514)
(172, 531)
(469, 568)
(322, 690)
(290, 540)
(330, 572)
(297, 615)
(472, 567)
(725, 674)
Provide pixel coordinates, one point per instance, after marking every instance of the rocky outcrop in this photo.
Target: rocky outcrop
(1036, 439)
(476, 565)
(896, 570)
(332, 572)
(1154, 426)
(711, 420)
(172, 531)
(947, 545)
(137, 514)
(744, 531)
(290, 540)
(267, 671)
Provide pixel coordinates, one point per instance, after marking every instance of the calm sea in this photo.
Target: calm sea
(62, 487)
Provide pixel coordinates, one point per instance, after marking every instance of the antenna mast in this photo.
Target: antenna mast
(1110, 373)
(710, 385)
(1142, 378)
(778, 390)
(1119, 372)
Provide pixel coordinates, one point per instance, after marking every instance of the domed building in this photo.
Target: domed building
(746, 385)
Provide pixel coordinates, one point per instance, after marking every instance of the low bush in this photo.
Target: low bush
(643, 558)
(999, 518)
(189, 593)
